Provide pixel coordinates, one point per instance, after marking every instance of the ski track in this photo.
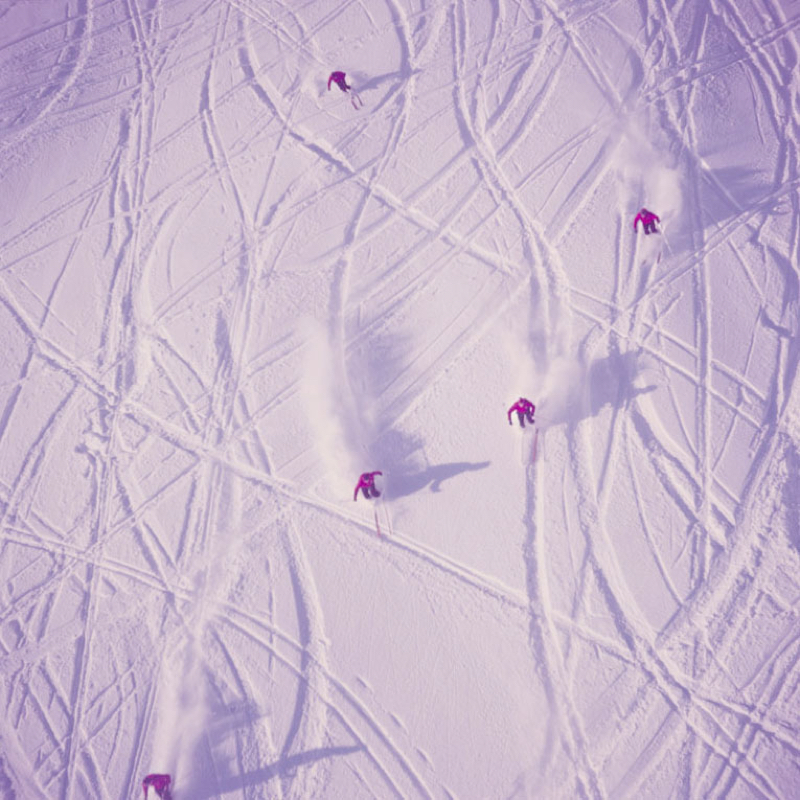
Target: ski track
(144, 398)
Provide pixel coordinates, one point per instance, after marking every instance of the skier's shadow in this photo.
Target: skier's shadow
(362, 83)
(734, 188)
(727, 191)
(608, 381)
(402, 484)
(400, 454)
(395, 81)
(284, 768)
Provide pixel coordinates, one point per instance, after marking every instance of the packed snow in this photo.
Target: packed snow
(227, 290)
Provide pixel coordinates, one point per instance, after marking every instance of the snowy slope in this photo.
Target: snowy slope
(225, 292)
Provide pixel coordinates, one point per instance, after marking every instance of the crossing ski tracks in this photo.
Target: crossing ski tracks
(302, 295)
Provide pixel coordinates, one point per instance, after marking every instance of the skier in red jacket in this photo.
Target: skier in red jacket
(367, 485)
(525, 410)
(338, 78)
(648, 220)
(160, 784)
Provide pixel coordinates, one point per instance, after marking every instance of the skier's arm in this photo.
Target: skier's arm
(656, 216)
(355, 493)
(636, 221)
(378, 472)
(329, 82)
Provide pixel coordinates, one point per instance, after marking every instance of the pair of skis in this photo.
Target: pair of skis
(377, 521)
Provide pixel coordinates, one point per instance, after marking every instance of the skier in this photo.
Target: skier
(648, 220)
(160, 784)
(525, 410)
(367, 485)
(338, 78)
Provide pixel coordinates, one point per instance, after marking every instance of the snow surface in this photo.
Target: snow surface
(224, 293)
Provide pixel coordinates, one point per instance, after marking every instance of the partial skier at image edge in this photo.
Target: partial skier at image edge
(339, 78)
(648, 220)
(160, 784)
(367, 485)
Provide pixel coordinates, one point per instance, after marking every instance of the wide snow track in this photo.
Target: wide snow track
(224, 293)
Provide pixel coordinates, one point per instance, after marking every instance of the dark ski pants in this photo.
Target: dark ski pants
(650, 227)
(374, 492)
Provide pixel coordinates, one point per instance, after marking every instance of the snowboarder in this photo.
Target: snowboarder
(338, 78)
(525, 410)
(648, 220)
(160, 784)
(367, 485)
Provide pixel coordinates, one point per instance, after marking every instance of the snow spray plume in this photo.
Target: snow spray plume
(525, 375)
(542, 374)
(646, 178)
(183, 702)
(562, 390)
(519, 340)
(182, 719)
(342, 427)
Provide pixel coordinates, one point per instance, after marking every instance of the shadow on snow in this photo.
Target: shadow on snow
(284, 768)
(400, 456)
(406, 483)
(605, 382)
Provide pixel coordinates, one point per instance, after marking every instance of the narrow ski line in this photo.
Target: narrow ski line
(545, 648)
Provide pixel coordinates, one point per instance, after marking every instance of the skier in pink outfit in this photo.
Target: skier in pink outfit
(525, 410)
(367, 485)
(648, 220)
(160, 784)
(338, 78)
